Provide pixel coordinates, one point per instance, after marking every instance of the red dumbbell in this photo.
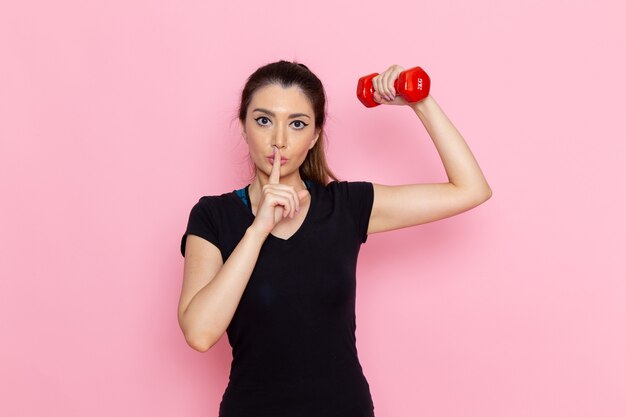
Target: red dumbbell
(412, 84)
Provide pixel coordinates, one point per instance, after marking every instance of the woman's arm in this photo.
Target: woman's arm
(212, 289)
(407, 205)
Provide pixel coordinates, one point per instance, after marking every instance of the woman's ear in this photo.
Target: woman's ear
(242, 128)
(316, 138)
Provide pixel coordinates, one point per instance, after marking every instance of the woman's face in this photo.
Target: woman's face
(281, 117)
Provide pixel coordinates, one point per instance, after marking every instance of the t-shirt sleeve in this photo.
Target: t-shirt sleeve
(360, 202)
(201, 223)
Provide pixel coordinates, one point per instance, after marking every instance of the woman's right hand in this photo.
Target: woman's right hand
(277, 200)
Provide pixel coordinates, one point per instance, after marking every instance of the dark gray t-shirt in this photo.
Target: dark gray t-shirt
(293, 333)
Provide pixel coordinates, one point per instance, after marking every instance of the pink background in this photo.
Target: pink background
(116, 116)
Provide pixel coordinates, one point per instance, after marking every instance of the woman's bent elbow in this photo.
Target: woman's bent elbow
(197, 339)
(482, 194)
(201, 344)
(488, 194)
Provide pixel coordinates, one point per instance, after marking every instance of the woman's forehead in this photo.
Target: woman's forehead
(277, 96)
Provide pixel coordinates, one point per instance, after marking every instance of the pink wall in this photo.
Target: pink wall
(115, 117)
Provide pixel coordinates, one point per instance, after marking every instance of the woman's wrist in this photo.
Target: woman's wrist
(421, 107)
(256, 234)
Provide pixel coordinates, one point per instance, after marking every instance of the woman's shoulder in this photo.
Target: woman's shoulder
(343, 183)
(349, 191)
(216, 200)
(347, 186)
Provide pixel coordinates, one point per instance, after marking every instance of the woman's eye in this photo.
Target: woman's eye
(264, 121)
(301, 124)
(261, 118)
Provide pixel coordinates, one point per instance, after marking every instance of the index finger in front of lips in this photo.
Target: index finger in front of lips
(275, 173)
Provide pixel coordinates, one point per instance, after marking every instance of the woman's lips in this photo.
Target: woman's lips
(282, 160)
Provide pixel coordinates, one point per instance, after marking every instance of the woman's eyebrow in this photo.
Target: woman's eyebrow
(291, 116)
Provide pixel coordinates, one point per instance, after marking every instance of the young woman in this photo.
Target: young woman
(273, 264)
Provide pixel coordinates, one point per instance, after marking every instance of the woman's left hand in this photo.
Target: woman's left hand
(384, 91)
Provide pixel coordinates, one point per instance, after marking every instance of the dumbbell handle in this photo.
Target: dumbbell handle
(412, 84)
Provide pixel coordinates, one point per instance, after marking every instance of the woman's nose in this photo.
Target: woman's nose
(280, 136)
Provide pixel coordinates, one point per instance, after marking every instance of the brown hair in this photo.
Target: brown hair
(286, 74)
